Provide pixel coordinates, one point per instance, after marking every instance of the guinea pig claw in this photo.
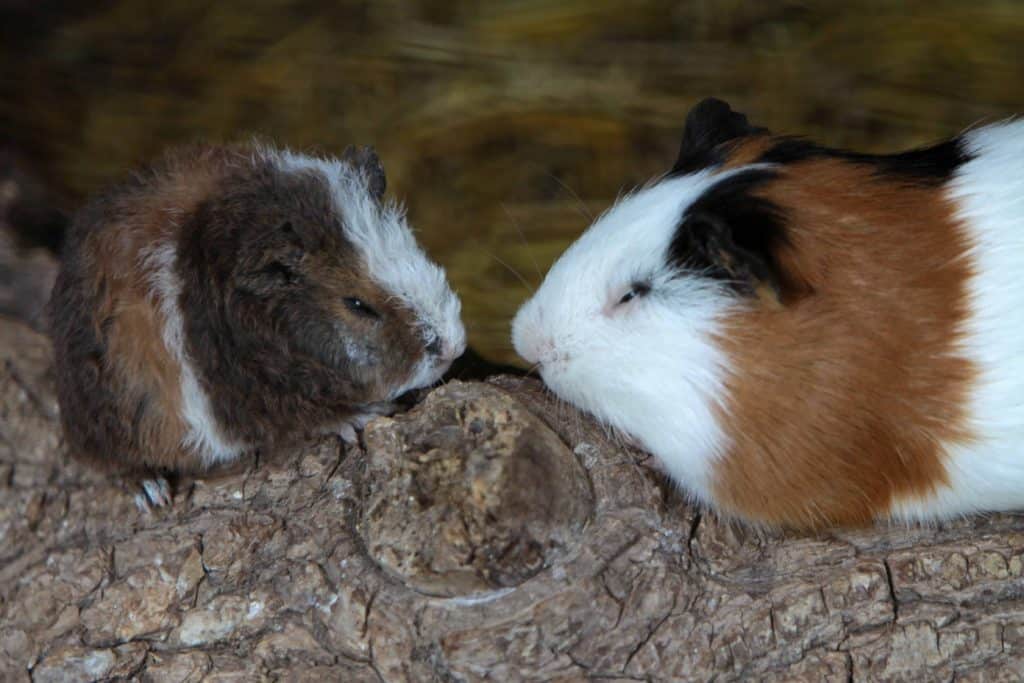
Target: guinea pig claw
(155, 493)
(349, 430)
(142, 503)
(347, 433)
(385, 408)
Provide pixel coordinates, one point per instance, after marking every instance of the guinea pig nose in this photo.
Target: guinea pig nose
(445, 350)
(536, 350)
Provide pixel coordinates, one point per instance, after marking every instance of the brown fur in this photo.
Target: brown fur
(840, 401)
(394, 338)
(270, 354)
(282, 358)
(746, 151)
(119, 387)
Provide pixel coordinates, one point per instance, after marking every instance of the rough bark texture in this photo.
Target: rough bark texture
(489, 533)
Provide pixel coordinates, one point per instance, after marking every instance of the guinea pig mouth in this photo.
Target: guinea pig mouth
(424, 375)
(410, 398)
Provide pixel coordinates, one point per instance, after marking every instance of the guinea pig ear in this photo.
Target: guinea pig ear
(709, 124)
(733, 235)
(275, 265)
(365, 160)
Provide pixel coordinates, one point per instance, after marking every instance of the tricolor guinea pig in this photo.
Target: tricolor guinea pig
(805, 336)
(227, 298)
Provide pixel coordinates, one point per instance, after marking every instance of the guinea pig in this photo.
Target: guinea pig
(805, 336)
(230, 297)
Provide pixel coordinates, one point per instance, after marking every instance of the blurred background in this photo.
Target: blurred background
(503, 125)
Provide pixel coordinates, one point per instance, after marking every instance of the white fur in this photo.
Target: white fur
(648, 367)
(427, 372)
(988, 473)
(204, 436)
(393, 259)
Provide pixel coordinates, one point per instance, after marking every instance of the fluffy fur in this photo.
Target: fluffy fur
(805, 336)
(227, 298)
(987, 472)
(204, 435)
(392, 257)
(605, 357)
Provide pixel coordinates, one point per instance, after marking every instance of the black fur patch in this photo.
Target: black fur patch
(366, 160)
(929, 165)
(731, 235)
(708, 125)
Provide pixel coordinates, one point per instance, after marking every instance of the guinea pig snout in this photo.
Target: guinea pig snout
(535, 348)
(445, 350)
(527, 338)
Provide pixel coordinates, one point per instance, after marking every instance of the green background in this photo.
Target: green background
(503, 125)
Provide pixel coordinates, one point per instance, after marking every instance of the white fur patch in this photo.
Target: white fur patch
(426, 373)
(988, 474)
(204, 436)
(648, 367)
(393, 259)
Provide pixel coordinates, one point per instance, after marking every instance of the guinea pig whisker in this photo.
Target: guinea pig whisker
(522, 236)
(511, 270)
(579, 200)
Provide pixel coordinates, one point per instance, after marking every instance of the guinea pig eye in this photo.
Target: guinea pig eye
(637, 289)
(288, 232)
(359, 307)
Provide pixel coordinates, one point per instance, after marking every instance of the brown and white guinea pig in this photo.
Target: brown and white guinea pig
(805, 336)
(231, 297)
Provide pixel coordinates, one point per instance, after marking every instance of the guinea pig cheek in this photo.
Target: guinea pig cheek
(358, 356)
(407, 364)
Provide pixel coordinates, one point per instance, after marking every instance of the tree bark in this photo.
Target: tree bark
(490, 533)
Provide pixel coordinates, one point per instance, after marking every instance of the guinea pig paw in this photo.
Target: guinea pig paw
(347, 433)
(155, 493)
(350, 427)
(384, 408)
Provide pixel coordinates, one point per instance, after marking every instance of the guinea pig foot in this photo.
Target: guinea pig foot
(155, 492)
(347, 433)
(384, 408)
(348, 430)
